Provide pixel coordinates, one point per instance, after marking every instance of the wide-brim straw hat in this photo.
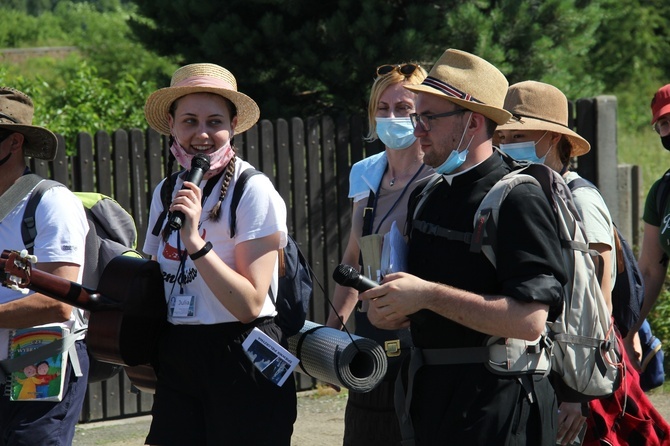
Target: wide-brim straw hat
(200, 78)
(468, 81)
(539, 106)
(16, 115)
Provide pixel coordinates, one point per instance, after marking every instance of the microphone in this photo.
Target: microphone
(199, 167)
(347, 275)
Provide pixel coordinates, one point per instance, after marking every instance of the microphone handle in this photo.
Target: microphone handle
(364, 284)
(177, 218)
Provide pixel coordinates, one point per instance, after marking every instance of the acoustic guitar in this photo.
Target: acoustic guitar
(128, 312)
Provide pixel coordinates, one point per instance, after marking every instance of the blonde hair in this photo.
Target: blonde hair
(380, 84)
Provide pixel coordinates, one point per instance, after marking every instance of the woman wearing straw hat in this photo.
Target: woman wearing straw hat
(539, 132)
(208, 391)
(380, 186)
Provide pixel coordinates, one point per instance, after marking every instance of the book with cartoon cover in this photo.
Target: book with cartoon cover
(42, 380)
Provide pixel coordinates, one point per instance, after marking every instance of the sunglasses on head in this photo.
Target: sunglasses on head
(405, 69)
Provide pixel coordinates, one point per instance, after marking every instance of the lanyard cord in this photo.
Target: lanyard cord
(395, 204)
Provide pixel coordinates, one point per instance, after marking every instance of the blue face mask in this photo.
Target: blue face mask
(522, 151)
(525, 151)
(455, 158)
(395, 133)
(453, 162)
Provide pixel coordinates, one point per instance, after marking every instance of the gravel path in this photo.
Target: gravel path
(320, 422)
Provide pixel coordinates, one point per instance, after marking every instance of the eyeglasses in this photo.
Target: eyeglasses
(405, 69)
(662, 126)
(424, 120)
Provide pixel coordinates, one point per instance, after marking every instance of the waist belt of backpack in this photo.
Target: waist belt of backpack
(66, 343)
(453, 356)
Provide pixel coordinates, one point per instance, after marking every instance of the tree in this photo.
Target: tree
(298, 56)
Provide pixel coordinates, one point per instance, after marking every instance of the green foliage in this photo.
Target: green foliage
(102, 86)
(85, 102)
(298, 58)
(105, 41)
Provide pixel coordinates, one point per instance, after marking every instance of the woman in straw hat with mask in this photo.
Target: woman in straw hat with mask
(380, 186)
(539, 133)
(208, 391)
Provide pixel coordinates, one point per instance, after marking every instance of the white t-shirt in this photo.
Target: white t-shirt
(61, 236)
(261, 212)
(596, 216)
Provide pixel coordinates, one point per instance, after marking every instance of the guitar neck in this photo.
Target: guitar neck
(19, 273)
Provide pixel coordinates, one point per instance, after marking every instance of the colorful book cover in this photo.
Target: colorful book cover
(43, 380)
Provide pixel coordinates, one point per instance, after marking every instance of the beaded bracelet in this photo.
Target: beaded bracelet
(204, 250)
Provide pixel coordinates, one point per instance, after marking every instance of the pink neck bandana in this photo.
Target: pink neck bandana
(218, 160)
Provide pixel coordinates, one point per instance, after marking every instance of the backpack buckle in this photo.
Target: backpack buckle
(392, 348)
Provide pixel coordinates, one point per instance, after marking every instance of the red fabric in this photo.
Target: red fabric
(641, 424)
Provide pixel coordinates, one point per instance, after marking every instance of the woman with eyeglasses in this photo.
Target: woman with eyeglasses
(380, 186)
(653, 260)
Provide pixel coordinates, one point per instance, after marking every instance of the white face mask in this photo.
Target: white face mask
(395, 133)
(456, 158)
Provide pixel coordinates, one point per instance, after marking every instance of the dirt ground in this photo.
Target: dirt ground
(320, 422)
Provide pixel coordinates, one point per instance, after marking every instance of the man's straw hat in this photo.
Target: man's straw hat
(539, 106)
(16, 115)
(200, 78)
(468, 81)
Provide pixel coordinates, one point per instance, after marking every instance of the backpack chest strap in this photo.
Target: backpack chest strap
(439, 231)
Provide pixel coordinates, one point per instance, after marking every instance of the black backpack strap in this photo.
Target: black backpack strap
(28, 227)
(237, 195)
(368, 214)
(662, 195)
(166, 197)
(580, 182)
(663, 192)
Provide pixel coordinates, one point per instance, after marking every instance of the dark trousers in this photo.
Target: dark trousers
(209, 393)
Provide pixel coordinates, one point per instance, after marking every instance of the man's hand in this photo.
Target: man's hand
(570, 422)
(398, 296)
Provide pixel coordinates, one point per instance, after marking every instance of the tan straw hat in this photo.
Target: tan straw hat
(540, 106)
(469, 81)
(200, 78)
(16, 115)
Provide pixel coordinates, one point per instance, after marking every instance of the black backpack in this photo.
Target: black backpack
(112, 232)
(295, 287)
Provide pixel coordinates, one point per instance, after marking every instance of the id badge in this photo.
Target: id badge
(182, 306)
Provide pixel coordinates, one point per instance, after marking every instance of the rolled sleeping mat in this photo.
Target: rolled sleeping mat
(332, 356)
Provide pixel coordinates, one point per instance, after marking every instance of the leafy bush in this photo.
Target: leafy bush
(79, 100)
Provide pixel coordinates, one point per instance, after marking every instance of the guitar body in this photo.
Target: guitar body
(128, 313)
(129, 336)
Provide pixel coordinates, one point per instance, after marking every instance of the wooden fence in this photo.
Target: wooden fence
(308, 160)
